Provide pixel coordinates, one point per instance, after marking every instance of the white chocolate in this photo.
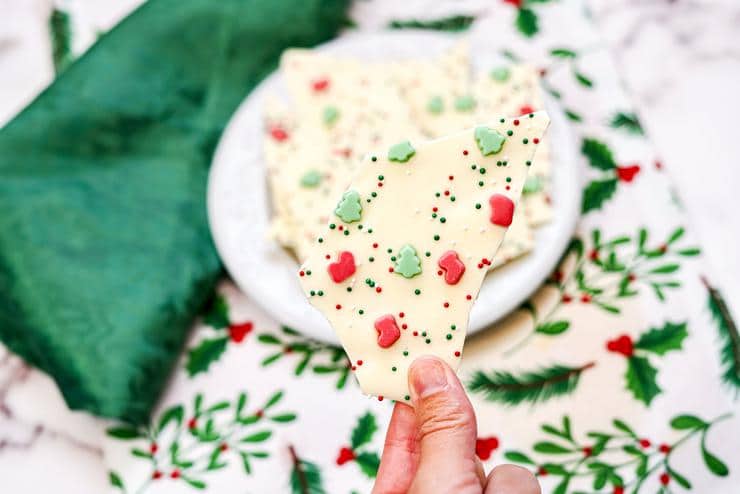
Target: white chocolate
(391, 216)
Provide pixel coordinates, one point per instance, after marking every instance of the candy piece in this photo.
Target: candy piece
(502, 210)
(501, 74)
(428, 204)
(343, 268)
(349, 208)
(401, 152)
(408, 264)
(311, 178)
(331, 114)
(465, 103)
(435, 105)
(489, 141)
(452, 266)
(388, 332)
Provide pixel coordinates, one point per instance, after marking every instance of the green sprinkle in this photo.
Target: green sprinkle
(525, 140)
(529, 163)
(312, 292)
(346, 232)
(473, 167)
(452, 198)
(453, 327)
(436, 237)
(308, 273)
(449, 336)
(427, 253)
(380, 177)
(331, 115)
(508, 179)
(509, 132)
(417, 291)
(321, 240)
(434, 215)
(332, 226)
(371, 259)
(443, 219)
(394, 369)
(428, 341)
(389, 250)
(401, 152)
(465, 103)
(373, 158)
(361, 312)
(482, 171)
(500, 74)
(405, 353)
(359, 227)
(349, 208)
(480, 183)
(321, 293)
(393, 258)
(435, 105)
(423, 333)
(437, 194)
(349, 288)
(407, 397)
(477, 205)
(374, 194)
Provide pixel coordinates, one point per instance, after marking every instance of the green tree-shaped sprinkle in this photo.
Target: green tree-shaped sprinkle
(349, 208)
(408, 263)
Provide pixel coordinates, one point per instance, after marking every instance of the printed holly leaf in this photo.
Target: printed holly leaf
(115, 480)
(714, 464)
(553, 327)
(174, 413)
(364, 430)
(729, 338)
(662, 340)
(573, 116)
(597, 193)
(583, 80)
(455, 23)
(195, 483)
(203, 355)
(518, 457)
(124, 432)
(628, 122)
(305, 478)
(490, 141)
(217, 315)
(368, 463)
(684, 422)
(598, 154)
(563, 53)
(641, 379)
(551, 448)
(526, 22)
(349, 208)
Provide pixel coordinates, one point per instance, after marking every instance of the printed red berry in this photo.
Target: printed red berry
(585, 298)
(594, 255)
(566, 298)
(663, 248)
(645, 443)
(618, 489)
(175, 474)
(259, 414)
(157, 475)
(664, 448)
(622, 345)
(223, 447)
(587, 451)
(627, 173)
(541, 471)
(345, 455)
(484, 446)
(320, 85)
(658, 165)
(557, 276)
(631, 277)
(153, 448)
(237, 332)
(543, 72)
(665, 478)
(192, 423)
(288, 349)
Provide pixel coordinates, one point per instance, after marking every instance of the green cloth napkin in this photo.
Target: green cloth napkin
(105, 252)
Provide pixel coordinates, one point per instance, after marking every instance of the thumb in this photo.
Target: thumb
(446, 430)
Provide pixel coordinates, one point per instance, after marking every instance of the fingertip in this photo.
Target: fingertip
(512, 479)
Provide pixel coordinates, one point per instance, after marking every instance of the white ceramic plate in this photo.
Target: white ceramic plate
(239, 206)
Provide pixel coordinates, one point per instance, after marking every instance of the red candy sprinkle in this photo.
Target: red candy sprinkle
(338, 306)
(502, 210)
(457, 354)
(343, 268)
(536, 140)
(359, 362)
(526, 110)
(446, 305)
(320, 85)
(278, 134)
(516, 122)
(465, 152)
(388, 332)
(453, 267)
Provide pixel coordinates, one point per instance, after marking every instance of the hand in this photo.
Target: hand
(430, 449)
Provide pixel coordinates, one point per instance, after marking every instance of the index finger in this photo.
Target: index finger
(400, 453)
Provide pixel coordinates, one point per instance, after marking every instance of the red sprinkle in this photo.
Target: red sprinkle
(447, 192)
(451, 177)
(378, 289)
(338, 306)
(536, 140)
(404, 326)
(516, 122)
(359, 362)
(446, 304)
(435, 209)
(468, 297)
(390, 269)
(465, 152)
(380, 398)
(175, 474)
(457, 354)
(375, 246)
(301, 273)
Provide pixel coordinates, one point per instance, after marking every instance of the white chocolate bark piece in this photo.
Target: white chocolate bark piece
(439, 91)
(515, 89)
(400, 264)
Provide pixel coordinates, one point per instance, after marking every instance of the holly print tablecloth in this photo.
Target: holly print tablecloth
(621, 374)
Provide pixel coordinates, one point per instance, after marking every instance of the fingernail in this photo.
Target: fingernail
(428, 376)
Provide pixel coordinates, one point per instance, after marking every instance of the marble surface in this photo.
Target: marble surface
(680, 61)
